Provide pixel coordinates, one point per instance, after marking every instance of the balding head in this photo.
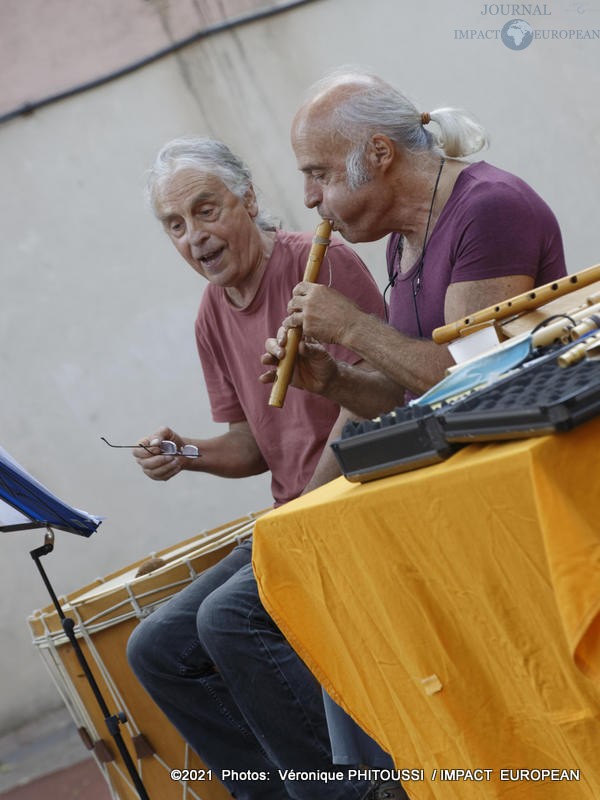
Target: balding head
(326, 99)
(349, 106)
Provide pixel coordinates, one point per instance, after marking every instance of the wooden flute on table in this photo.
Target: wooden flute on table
(285, 368)
(517, 305)
(569, 327)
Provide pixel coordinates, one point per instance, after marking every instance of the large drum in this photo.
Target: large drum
(105, 613)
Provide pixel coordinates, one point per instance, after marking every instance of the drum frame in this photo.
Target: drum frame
(112, 720)
(111, 607)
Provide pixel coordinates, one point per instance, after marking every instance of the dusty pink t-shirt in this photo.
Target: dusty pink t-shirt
(231, 341)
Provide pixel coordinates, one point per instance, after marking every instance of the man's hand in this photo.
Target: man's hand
(157, 465)
(323, 313)
(314, 367)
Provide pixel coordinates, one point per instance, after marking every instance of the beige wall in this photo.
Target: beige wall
(48, 47)
(97, 310)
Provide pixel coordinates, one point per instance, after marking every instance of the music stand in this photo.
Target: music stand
(26, 504)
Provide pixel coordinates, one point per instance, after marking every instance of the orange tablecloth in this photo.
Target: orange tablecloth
(454, 611)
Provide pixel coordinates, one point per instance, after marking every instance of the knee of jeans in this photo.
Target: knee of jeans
(207, 620)
(142, 650)
(218, 626)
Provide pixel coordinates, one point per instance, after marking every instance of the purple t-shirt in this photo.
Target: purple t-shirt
(231, 341)
(493, 225)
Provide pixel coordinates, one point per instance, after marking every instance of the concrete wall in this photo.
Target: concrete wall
(96, 323)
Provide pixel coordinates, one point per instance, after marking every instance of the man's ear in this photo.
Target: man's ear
(380, 152)
(250, 202)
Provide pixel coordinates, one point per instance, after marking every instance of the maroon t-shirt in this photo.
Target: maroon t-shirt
(493, 225)
(231, 341)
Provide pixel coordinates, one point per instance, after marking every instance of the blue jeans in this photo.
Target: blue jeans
(350, 744)
(222, 672)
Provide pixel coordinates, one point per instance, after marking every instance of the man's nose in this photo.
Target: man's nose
(197, 233)
(312, 193)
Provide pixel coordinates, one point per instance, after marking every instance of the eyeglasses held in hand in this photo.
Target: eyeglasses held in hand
(167, 448)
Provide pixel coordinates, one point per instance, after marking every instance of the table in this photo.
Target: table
(454, 612)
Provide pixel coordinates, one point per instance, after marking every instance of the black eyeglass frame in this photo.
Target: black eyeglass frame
(167, 447)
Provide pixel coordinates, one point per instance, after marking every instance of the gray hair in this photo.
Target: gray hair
(205, 155)
(380, 108)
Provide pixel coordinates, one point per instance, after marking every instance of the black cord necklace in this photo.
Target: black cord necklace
(417, 276)
(416, 279)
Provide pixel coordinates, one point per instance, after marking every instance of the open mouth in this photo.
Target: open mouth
(210, 260)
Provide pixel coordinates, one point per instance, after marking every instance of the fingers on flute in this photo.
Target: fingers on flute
(282, 333)
(270, 359)
(268, 377)
(300, 289)
(274, 351)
